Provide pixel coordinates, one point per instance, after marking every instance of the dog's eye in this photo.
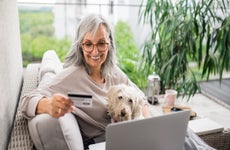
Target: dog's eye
(120, 97)
(130, 101)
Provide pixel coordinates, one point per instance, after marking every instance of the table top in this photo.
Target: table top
(199, 103)
(161, 108)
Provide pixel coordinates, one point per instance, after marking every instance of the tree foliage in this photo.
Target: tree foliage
(37, 36)
(128, 54)
(183, 32)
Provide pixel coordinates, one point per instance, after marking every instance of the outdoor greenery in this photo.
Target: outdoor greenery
(185, 32)
(37, 36)
(128, 54)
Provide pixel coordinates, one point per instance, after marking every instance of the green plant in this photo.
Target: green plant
(37, 36)
(37, 46)
(183, 32)
(36, 23)
(128, 54)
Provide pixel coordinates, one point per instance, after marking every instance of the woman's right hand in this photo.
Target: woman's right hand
(57, 105)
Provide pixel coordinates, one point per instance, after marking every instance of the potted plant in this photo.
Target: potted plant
(183, 33)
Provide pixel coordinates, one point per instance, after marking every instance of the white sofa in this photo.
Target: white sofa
(38, 74)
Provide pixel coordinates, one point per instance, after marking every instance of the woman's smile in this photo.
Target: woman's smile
(95, 47)
(95, 58)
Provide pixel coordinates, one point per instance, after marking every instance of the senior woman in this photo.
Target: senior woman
(90, 67)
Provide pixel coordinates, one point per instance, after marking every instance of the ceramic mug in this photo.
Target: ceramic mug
(170, 97)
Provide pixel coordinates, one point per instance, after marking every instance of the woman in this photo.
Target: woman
(90, 68)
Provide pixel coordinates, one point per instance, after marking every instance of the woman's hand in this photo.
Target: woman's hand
(57, 105)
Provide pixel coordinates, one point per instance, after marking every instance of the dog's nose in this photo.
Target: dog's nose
(123, 112)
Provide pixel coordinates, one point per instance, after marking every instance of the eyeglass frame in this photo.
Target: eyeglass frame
(93, 47)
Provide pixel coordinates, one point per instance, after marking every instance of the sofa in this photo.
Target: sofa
(41, 73)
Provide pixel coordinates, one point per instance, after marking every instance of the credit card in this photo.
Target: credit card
(81, 100)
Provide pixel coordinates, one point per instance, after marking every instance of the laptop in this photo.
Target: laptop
(166, 132)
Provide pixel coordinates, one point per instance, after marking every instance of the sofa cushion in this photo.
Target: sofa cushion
(50, 66)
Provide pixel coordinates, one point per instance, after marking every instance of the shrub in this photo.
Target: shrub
(37, 36)
(128, 54)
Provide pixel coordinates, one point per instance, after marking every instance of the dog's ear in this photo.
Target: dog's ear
(111, 92)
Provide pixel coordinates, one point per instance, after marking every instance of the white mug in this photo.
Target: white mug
(170, 97)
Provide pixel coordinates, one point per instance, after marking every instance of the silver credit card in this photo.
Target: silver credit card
(81, 100)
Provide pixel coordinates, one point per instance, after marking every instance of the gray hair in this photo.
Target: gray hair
(75, 56)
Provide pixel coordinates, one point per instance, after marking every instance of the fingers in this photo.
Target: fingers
(60, 105)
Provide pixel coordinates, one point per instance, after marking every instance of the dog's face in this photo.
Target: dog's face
(124, 103)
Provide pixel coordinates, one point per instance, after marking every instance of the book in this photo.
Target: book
(204, 126)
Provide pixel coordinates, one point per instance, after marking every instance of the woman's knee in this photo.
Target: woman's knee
(46, 133)
(71, 131)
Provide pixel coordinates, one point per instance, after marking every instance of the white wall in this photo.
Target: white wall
(141, 31)
(10, 66)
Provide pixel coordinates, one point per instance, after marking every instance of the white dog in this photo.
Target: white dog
(125, 103)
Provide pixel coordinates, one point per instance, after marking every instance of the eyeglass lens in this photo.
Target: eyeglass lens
(101, 46)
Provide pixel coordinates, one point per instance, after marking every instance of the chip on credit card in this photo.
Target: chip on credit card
(81, 100)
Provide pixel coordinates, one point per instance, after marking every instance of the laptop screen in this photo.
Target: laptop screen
(165, 132)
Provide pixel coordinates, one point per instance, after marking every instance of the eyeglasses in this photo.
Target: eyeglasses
(101, 46)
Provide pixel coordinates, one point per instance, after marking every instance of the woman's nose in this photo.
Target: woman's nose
(95, 50)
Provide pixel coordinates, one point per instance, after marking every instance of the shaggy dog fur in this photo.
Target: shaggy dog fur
(125, 103)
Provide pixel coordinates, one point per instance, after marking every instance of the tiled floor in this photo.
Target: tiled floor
(206, 107)
(216, 89)
(203, 106)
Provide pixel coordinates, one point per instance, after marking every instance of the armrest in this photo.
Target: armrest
(30, 78)
(20, 137)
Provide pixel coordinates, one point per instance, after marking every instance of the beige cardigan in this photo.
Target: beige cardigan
(76, 79)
